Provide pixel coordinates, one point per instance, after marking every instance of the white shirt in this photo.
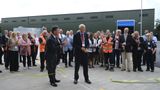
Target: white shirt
(92, 46)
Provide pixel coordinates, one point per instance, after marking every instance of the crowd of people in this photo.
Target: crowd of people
(123, 50)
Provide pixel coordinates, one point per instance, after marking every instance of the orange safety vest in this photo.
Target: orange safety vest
(107, 47)
(43, 44)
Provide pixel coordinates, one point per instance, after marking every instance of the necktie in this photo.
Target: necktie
(82, 38)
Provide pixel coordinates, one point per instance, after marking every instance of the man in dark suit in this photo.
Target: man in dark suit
(126, 41)
(52, 48)
(80, 44)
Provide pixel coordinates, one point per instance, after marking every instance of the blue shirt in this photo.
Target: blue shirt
(69, 45)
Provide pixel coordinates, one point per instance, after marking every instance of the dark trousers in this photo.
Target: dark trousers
(13, 58)
(33, 55)
(154, 57)
(6, 60)
(149, 60)
(42, 60)
(144, 59)
(137, 59)
(28, 61)
(83, 59)
(97, 58)
(70, 57)
(51, 72)
(109, 61)
(34, 50)
(60, 56)
(116, 57)
(1, 54)
(20, 58)
(51, 62)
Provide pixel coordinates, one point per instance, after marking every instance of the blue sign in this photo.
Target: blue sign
(125, 23)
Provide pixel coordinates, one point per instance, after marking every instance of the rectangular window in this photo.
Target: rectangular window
(79, 18)
(5, 21)
(94, 17)
(144, 15)
(43, 19)
(67, 18)
(54, 19)
(23, 20)
(33, 20)
(14, 21)
(109, 16)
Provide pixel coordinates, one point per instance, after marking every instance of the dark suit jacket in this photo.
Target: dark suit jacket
(77, 44)
(152, 45)
(129, 43)
(135, 45)
(4, 40)
(51, 50)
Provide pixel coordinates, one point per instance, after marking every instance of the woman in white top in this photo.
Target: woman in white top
(92, 50)
(13, 52)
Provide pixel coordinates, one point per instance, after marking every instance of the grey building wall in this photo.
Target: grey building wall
(94, 21)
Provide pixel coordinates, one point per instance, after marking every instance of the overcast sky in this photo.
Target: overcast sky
(15, 8)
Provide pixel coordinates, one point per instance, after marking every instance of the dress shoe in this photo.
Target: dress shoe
(134, 70)
(70, 66)
(152, 70)
(54, 84)
(111, 69)
(57, 81)
(128, 71)
(101, 66)
(0, 71)
(107, 68)
(41, 70)
(88, 81)
(122, 69)
(75, 82)
(34, 65)
(140, 70)
(147, 70)
(1, 64)
(118, 67)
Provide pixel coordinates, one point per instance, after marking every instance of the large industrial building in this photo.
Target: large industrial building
(94, 20)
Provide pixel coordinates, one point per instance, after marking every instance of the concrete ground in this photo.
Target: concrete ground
(33, 79)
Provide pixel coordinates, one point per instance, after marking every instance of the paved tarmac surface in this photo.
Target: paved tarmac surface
(33, 79)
